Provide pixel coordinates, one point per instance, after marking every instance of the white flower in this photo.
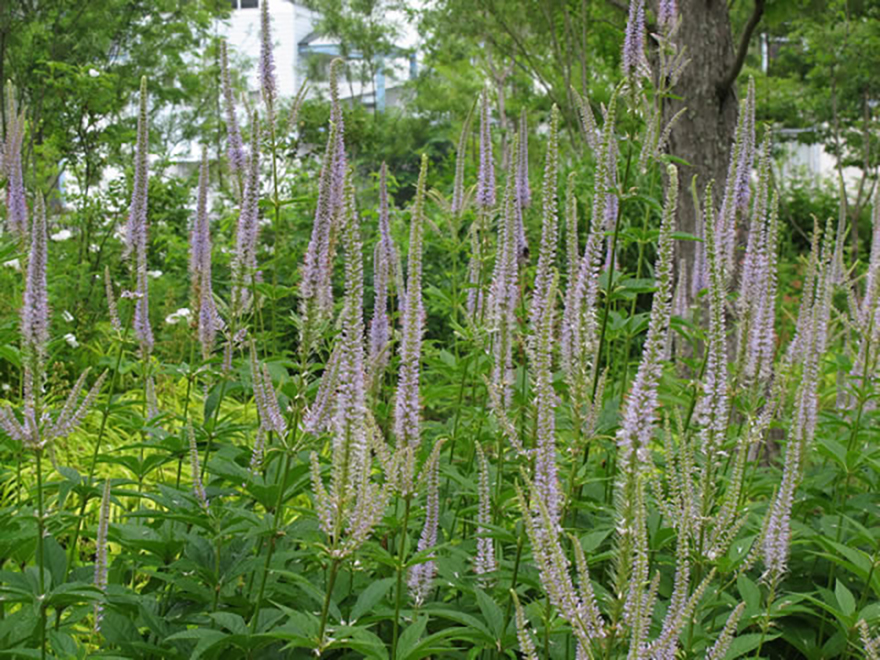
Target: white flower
(154, 273)
(181, 314)
(62, 235)
(94, 247)
(94, 73)
(15, 264)
(67, 316)
(70, 338)
(6, 387)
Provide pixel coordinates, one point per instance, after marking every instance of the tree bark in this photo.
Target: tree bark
(704, 133)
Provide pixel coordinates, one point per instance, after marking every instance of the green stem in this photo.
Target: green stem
(400, 561)
(325, 611)
(40, 558)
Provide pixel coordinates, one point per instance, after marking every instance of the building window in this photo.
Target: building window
(244, 4)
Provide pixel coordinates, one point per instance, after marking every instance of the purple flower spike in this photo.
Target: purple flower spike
(384, 264)
(35, 310)
(16, 205)
(421, 576)
(101, 551)
(458, 197)
(549, 228)
(486, 174)
(244, 262)
(136, 233)
(234, 147)
(523, 192)
(485, 559)
(267, 64)
(633, 60)
(407, 406)
(667, 13)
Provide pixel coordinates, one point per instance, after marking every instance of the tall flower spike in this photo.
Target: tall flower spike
(776, 539)
(667, 13)
(486, 175)
(458, 197)
(546, 482)
(350, 420)
(579, 322)
(523, 633)
(16, 204)
(725, 639)
(234, 145)
(639, 414)
(101, 551)
(421, 575)
(870, 644)
(384, 265)
(199, 235)
(268, 86)
(112, 310)
(316, 289)
(244, 261)
(549, 228)
(504, 296)
(485, 559)
(197, 485)
(136, 230)
(523, 192)
(737, 194)
(712, 408)
(406, 406)
(35, 307)
(271, 417)
(632, 60)
(572, 247)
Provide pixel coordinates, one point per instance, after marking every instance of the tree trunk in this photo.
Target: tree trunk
(704, 133)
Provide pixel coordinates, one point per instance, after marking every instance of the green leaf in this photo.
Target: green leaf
(844, 598)
(370, 596)
(410, 637)
(749, 592)
(491, 613)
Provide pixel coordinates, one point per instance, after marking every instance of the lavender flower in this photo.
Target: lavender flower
(352, 498)
(713, 405)
(101, 551)
(572, 247)
(737, 193)
(421, 575)
(546, 483)
(632, 60)
(485, 559)
(592, 134)
(317, 418)
(577, 606)
(579, 321)
(776, 537)
(244, 262)
(234, 147)
(523, 192)
(16, 204)
(406, 407)
(267, 65)
(871, 644)
(486, 174)
(725, 639)
(637, 424)
(549, 229)
(136, 229)
(35, 307)
(384, 262)
(503, 299)
(316, 292)
(271, 417)
(458, 197)
(112, 310)
(523, 634)
(197, 485)
(667, 13)
(199, 235)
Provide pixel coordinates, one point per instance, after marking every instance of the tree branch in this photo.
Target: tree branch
(727, 82)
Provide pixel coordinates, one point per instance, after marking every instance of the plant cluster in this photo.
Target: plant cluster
(475, 471)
